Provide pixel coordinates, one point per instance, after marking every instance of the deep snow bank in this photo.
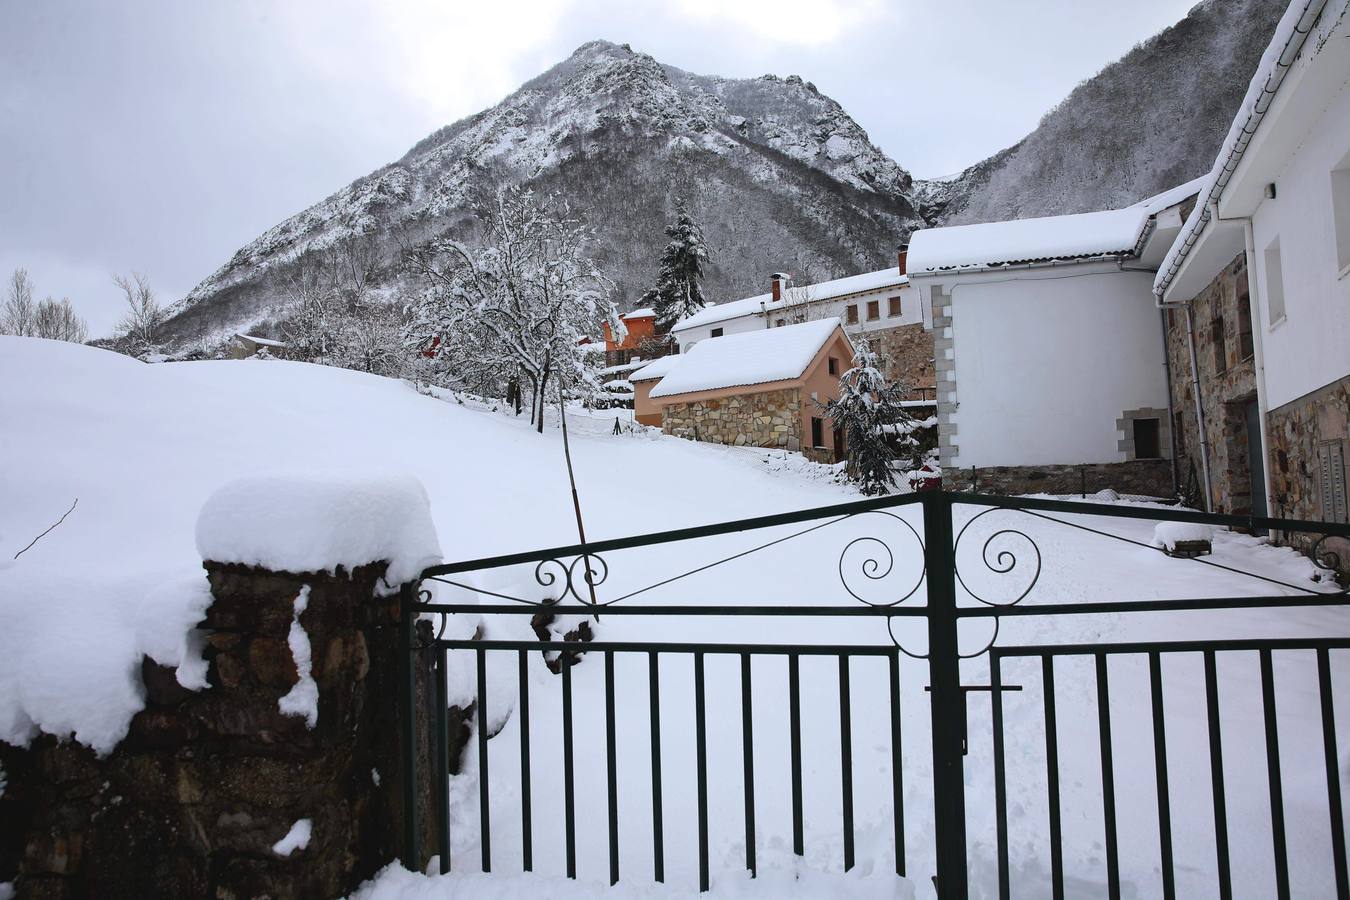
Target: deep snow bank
(144, 446)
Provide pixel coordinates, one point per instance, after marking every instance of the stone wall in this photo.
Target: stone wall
(1143, 477)
(1299, 434)
(768, 419)
(190, 803)
(908, 353)
(1223, 391)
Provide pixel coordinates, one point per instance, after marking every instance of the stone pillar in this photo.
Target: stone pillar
(193, 800)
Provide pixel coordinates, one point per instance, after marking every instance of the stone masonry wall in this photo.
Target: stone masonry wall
(908, 353)
(768, 419)
(1298, 433)
(190, 803)
(1223, 390)
(1145, 477)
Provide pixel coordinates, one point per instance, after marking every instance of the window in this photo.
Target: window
(834, 366)
(873, 310)
(894, 307)
(780, 323)
(716, 332)
(1274, 282)
(851, 314)
(1220, 350)
(817, 432)
(1340, 212)
(1146, 442)
(1246, 347)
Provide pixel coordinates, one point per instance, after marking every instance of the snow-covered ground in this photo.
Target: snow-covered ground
(143, 446)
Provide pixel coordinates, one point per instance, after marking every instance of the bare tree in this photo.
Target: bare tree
(144, 319)
(58, 321)
(519, 307)
(19, 313)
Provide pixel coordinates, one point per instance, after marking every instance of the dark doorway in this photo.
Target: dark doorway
(1256, 464)
(840, 450)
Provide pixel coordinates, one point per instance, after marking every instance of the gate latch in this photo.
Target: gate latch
(966, 688)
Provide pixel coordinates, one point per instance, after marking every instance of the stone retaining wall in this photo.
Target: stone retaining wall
(768, 419)
(190, 803)
(907, 351)
(1146, 477)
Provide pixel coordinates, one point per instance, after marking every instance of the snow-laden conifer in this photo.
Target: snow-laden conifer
(867, 410)
(679, 284)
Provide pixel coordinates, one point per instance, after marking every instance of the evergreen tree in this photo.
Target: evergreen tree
(867, 409)
(679, 284)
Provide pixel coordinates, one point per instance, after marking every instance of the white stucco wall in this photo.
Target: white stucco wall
(1310, 346)
(1047, 360)
(912, 312)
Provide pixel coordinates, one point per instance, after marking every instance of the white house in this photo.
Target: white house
(876, 305)
(1265, 257)
(1048, 345)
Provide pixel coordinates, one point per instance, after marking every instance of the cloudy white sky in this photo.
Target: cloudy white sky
(162, 135)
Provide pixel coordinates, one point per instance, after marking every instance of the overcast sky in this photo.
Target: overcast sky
(163, 136)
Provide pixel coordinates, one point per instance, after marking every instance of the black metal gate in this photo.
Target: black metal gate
(574, 574)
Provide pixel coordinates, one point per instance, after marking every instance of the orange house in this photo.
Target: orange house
(646, 410)
(763, 388)
(641, 325)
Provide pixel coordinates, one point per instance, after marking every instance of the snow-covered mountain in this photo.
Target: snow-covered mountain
(1149, 121)
(778, 174)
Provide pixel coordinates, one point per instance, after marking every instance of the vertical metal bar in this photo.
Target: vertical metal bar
(1216, 778)
(526, 817)
(612, 770)
(484, 807)
(412, 856)
(701, 735)
(1333, 776)
(1329, 742)
(846, 759)
(569, 784)
(748, 747)
(1108, 780)
(795, 721)
(658, 842)
(1273, 776)
(946, 701)
(897, 781)
(1000, 775)
(442, 761)
(1161, 781)
(1052, 777)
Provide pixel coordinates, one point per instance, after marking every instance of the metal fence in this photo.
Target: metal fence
(575, 572)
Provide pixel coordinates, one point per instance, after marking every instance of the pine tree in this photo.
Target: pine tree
(867, 409)
(679, 284)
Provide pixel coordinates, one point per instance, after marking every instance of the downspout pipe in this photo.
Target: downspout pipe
(1171, 415)
(1199, 408)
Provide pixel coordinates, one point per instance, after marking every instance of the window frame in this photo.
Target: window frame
(874, 310)
(715, 332)
(895, 307)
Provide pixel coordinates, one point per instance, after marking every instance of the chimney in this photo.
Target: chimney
(902, 253)
(776, 281)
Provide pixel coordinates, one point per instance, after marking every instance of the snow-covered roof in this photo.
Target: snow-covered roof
(825, 290)
(657, 368)
(752, 357)
(265, 342)
(1171, 197)
(1291, 32)
(645, 313)
(1081, 236)
(626, 367)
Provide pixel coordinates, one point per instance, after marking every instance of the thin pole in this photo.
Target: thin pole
(576, 501)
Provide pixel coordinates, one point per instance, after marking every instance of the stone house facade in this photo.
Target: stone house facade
(1221, 324)
(764, 388)
(765, 419)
